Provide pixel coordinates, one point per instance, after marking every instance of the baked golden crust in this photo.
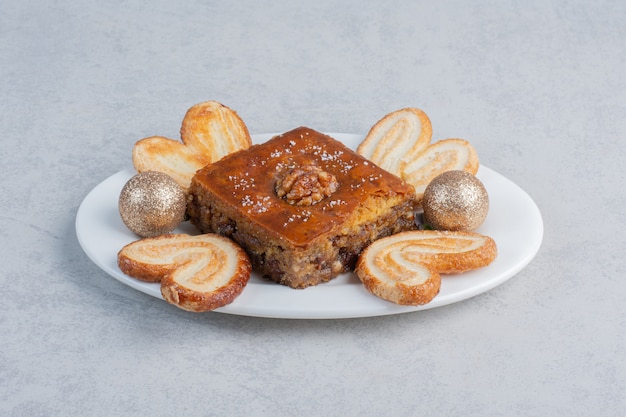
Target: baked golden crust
(209, 131)
(449, 252)
(213, 131)
(400, 143)
(418, 286)
(441, 156)
(404, 268)
(397, 135)
(294, 239)
(197, 273)
(169, 156)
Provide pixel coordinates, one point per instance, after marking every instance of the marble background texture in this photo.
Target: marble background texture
(537, 86)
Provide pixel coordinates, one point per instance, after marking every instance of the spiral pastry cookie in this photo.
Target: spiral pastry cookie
(197, 273)
(209, 131)
(394, 137)
(400, 143)
(442, 156)
(405, 268)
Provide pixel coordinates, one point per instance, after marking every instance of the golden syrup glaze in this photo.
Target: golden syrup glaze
(245, 181)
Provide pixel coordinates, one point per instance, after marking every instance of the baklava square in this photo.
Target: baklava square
(302, 205)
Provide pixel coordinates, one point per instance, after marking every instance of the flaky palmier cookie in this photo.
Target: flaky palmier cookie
(398, 134)
(169, 156)
(197, 273)
(209, 131)
(442, 156)
(405, 268)
(400, 143)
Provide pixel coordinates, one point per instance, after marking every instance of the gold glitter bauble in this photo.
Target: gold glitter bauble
(455, 200)
(152, 204)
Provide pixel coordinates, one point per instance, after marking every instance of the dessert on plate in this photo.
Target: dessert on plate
(302, 205)
(302, 208)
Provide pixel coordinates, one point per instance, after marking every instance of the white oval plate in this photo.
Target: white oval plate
(514, 222)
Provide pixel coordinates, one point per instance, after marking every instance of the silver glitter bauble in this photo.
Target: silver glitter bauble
(152, 204)
(455, 200)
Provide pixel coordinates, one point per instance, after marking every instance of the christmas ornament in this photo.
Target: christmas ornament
(455, 200)
(152, 204)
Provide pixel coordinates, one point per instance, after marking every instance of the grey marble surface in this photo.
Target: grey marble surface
(537, 86)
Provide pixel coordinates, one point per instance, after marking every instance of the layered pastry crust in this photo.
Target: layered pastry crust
(209, 131)
(197, 273)
(405, 268)
(302, 205)
(400, 142)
